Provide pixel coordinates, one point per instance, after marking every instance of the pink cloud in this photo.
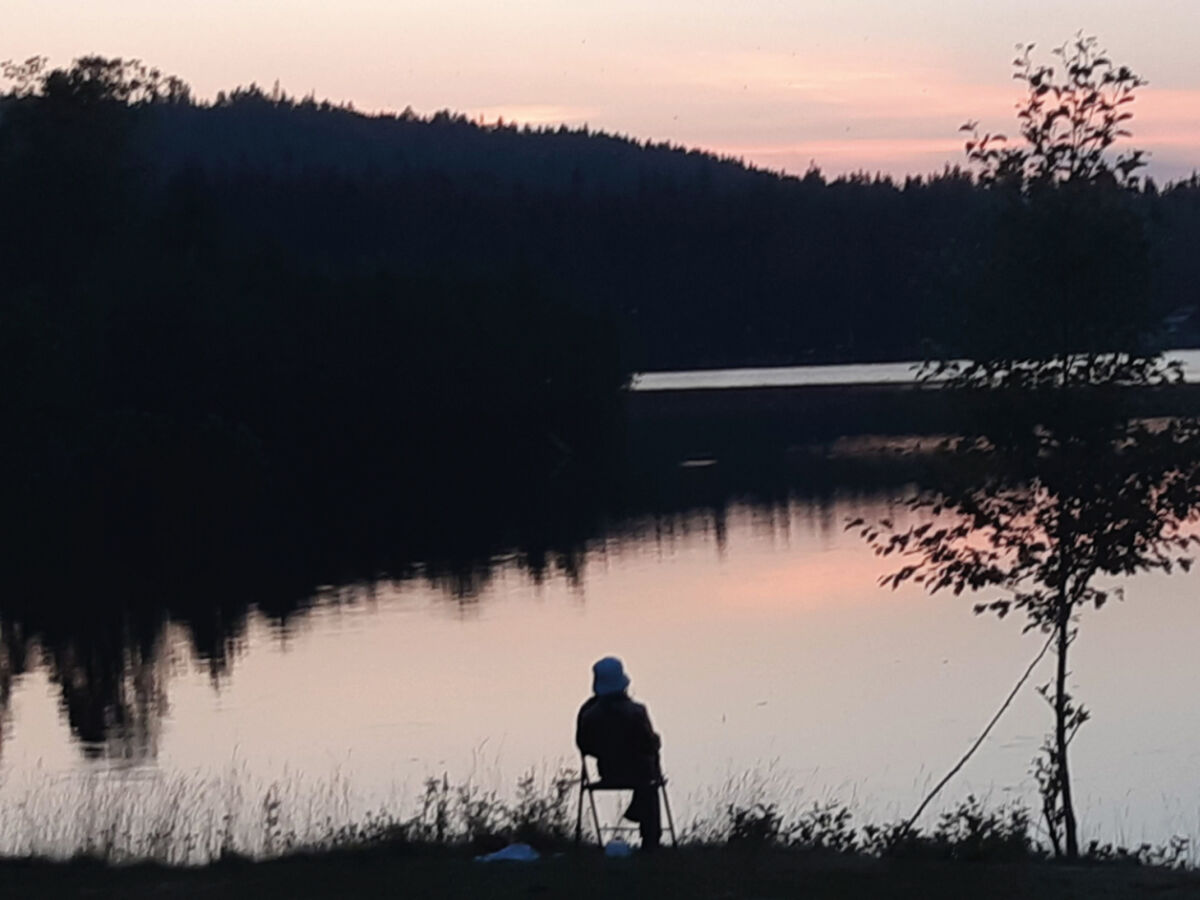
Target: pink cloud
(533, 114)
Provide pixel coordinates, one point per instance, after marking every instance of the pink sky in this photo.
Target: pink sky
(847, 84)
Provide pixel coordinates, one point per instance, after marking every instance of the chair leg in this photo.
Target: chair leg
(579, 810)
(670, 819)
(596, 819)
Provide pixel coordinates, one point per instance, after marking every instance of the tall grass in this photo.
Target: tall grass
(192, 819)
(200, 818)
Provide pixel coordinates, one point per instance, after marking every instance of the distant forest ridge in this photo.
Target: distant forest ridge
(698, 261)
(351, 140)
(701, 261)
(340, 138)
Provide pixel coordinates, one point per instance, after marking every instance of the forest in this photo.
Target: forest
(695, 260)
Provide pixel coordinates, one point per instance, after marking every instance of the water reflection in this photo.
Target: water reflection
(109, 636)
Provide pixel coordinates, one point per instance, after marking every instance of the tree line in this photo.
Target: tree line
(696, 260)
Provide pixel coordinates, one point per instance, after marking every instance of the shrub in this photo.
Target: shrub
(825, 827)
(756, 825)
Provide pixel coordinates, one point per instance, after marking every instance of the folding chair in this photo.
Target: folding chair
(589, 787)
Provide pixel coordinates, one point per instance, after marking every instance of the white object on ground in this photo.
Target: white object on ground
(511, 853)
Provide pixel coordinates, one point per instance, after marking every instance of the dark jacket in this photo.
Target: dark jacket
(617, 732)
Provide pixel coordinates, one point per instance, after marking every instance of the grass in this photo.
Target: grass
(187, 837)
(188, 820)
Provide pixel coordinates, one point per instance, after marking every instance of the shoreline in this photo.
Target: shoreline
(707, 873)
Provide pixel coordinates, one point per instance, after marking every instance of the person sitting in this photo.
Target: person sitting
(616, 730)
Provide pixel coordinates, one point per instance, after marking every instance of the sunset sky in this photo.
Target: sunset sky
(849, 84)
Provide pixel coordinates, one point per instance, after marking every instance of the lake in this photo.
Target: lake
(751, 623)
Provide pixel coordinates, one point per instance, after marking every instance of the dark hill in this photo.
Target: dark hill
(696, 260)
(251, 131)
(699, 260)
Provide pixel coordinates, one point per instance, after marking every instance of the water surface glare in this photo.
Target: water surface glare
(758, 638)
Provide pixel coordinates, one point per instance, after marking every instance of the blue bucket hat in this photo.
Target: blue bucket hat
(608, 676)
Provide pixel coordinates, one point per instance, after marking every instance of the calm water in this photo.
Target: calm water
(754, 630)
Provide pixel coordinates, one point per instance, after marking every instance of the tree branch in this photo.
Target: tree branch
(983, 736)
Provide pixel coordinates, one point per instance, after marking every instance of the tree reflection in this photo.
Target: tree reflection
(111, 634)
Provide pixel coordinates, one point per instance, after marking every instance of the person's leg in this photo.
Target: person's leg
(647, 815)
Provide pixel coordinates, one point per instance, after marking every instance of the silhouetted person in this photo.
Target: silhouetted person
(617, 731)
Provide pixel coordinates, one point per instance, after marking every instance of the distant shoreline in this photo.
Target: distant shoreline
(832, 375)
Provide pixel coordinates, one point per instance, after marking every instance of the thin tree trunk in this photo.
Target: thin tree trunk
(1060, 729)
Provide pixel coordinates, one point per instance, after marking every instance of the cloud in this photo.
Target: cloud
(533, 114)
